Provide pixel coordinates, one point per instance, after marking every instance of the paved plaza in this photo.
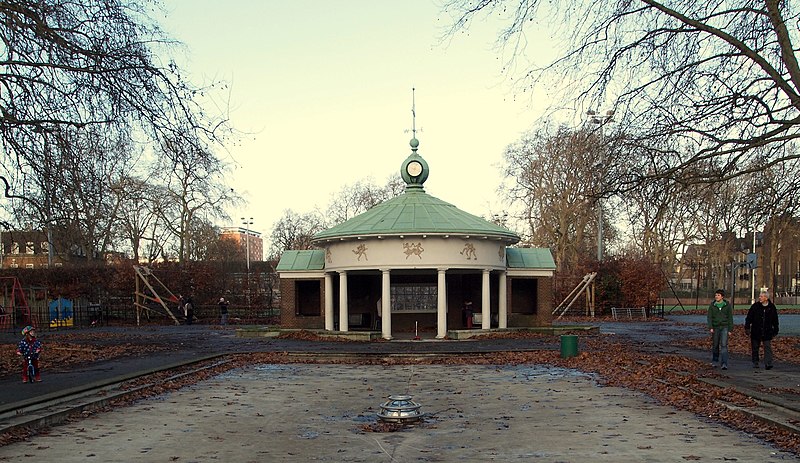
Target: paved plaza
(283, 413)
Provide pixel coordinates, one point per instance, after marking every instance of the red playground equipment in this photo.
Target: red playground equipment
(14, 303)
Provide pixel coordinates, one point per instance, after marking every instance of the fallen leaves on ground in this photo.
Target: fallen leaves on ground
(672, 380)
(62, 356)
(778, 390)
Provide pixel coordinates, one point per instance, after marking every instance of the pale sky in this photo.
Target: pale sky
(324, 89)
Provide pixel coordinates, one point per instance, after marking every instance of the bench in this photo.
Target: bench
(631, 312)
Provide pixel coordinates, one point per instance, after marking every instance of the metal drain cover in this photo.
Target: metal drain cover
(400, 409)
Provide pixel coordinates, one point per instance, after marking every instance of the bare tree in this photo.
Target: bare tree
(194, 192)
(218, 248)
(138, 213)
(360, 196)
(87, 63)
(67, 193)
(93, 161)
(703, 89)
(554, 177)
(156, 241)
(209, 245)
(395, 186)
(294, 231)
(661, 219)
(720, 220)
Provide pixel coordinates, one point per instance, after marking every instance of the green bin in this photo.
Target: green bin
(569, 346)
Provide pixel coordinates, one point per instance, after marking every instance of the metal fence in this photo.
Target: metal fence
(85, 314)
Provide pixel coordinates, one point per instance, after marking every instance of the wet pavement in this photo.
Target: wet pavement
(185, 343)
(474, 413)
(324, 412)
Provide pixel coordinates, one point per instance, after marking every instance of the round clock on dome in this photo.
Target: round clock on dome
(414, 168)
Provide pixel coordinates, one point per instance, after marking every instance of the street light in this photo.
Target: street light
(246, 224)
(600, 121)
(752, 263)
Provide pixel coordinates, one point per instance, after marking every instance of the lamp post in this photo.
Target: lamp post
(247, 223)
(753, 273)
(600, 121)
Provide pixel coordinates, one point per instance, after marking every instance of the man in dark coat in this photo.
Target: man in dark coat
(762, 325)
(223, 311)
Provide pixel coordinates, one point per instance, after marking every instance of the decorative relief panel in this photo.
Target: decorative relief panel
(361, 251)
(413, 249)
(411, 252)
(469, 251)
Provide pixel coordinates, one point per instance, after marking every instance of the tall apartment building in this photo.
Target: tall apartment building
(250, 241)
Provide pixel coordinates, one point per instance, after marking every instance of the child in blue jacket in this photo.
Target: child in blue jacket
(30, 347)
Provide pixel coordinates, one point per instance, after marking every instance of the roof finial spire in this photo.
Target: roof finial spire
(414, 141)
(413, 113)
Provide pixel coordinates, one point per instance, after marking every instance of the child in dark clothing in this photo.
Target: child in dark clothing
(29, 347)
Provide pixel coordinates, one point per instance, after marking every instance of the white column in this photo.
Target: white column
(386, 305)
(441, 305)
(486, 312)
(502, 307)
(343, 313)
(328, 302)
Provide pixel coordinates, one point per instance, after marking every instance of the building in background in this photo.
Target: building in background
(27, 249)
(721, 262)
(250, 241)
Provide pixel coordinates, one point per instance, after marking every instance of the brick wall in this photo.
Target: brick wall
(289, 318)
(546, 297)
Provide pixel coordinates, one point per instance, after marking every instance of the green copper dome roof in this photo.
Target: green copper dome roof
(415, 212)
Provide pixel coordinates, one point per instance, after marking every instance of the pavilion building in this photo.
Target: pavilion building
(411, 263)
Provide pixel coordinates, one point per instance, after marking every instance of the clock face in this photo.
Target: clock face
(414, 168)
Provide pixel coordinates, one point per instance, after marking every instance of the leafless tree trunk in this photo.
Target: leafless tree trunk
(294, 231)
(359, 197)
(706, 91)
(554, 179)
(194, 192)
(76, 65)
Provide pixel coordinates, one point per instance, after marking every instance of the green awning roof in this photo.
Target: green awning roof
(313, 259)
(415, 212)
(530, 258)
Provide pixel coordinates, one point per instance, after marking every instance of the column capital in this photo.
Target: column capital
(442, 269)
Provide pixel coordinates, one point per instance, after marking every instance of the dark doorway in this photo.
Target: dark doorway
(308, 300)
(524, 296)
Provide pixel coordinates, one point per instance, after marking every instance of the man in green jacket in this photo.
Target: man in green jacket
(720, 323)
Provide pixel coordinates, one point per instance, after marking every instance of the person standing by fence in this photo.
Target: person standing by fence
(189, 309)
(223, 311)
(720, 323)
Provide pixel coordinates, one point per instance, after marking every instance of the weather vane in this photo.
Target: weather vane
(413, 114)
